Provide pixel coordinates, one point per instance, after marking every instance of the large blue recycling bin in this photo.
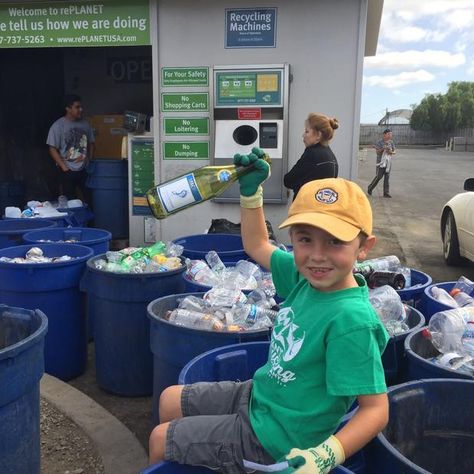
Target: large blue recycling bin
(108, 180)
(22, 335)
(174, 346)
(430, 429)
(413, 294)
(429, 305)
(124, 362)
(239, 362)
(97, 239)
(394, 358)
(166, 467)
(12, 230)
(229, 247)
(81, 214)
(54, 289)
(419, 350)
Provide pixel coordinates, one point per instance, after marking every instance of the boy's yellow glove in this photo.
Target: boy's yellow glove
(318, 460)
(251, 192)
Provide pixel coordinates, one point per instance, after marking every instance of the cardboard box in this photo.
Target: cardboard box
(109, 133)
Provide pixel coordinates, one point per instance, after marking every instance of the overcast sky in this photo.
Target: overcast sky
(423, 45)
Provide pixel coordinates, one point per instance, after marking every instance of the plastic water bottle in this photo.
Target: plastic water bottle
(251, 315)
(441, 295)
(62, 201)
(215, 262)
(387, 263)
(453, 330)
(406, 272)
(199, 271)
(388, 304)
(224, 297)
(464, 284)
(193, 319)
(461, 298)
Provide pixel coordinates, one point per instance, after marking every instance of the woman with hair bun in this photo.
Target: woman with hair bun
(318, 161)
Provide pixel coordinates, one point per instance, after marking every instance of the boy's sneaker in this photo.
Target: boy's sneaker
(386, 195)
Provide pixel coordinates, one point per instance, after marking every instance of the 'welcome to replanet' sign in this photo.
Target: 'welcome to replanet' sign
(75, 24)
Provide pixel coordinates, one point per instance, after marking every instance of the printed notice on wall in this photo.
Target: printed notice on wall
(250, 28)
(74, 24)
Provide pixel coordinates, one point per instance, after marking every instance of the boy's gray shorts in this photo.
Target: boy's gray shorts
(215, 430)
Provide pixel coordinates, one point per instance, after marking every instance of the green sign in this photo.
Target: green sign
(198, 102)
(186, 126)
(186, 150)
(74, 24)
(236, 88)
(184, 76)
(142, 175)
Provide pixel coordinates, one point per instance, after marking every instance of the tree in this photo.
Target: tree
(443, 113)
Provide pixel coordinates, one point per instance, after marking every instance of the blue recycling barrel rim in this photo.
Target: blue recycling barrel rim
(154, 317)
(418, 289)
(102, 235)
(222, 253)
(411, 353)
(14, 349)
(397, 388)
(91, 267)
(46, 246)
(15, 229)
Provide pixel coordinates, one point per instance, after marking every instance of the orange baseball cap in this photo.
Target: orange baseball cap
(335, 205)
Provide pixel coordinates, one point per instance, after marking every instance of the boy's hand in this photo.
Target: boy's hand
(249, 184)
(318, 460)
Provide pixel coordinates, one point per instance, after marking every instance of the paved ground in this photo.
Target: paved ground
(406, 225)
(421, 182)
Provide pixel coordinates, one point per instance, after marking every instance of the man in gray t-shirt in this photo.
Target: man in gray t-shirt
(384, 145)
(70, 140)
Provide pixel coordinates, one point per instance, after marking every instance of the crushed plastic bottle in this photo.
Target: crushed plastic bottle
(441, 295)
(222, 297)
(253, 316)
(465, 285)
(198, 270)
(388, 305)
(35, 255)
(388, 263)
(215, 262)
(462, 299)
(453, 331)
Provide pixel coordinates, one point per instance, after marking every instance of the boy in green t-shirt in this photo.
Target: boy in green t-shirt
(324, 354)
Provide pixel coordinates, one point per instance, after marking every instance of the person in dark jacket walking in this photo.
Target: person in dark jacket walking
(318, 161)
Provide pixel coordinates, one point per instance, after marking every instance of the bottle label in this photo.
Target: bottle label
(252, 316)
(179, 193)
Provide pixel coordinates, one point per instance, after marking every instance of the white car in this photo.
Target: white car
(457, 226)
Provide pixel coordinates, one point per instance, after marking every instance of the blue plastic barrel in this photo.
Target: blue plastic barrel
(229, 247)
(22, 335)
(174, 346)
(166, 467)
(97, 239)
(108, 180)
(413, 294)
(82, 214)
(429, 430)
(419, 350)
(394, 358)
(123, 360)
(54, 289)
(239, 362)
(430, 305)
(12, 230)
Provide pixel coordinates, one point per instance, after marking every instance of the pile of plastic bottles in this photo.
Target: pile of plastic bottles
(35, 255)
(452, 331)
(460, 295)
(160, 257)
(43, 209)
(385, 271)
(225, 309)
(244, 275)
(390, 309)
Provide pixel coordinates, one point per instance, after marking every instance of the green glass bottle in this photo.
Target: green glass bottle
(193, 188)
